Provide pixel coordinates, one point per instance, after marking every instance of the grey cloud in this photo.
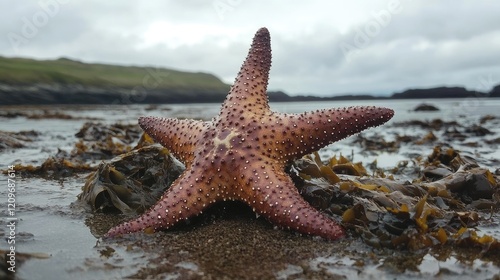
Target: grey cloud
(458, 41)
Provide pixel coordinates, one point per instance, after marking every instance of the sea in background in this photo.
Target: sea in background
(47, 223)
(59, 134)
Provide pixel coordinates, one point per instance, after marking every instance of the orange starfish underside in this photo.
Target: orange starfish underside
(242, 153)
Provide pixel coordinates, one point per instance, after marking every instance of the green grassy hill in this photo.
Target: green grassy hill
(22, 71)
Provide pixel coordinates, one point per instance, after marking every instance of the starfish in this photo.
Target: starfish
(242, 154)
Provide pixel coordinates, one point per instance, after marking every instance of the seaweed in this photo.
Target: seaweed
(15, 140)
(440, 206)
(96, 142)
(131, 182)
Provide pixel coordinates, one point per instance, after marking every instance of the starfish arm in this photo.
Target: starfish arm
(300, 134)
(276, 198)
(178, 135)
(185, 198)
(248, 93)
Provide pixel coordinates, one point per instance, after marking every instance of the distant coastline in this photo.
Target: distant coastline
(428, 93)
(65, 81)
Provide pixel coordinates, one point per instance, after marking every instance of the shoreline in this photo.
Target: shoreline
(77, 94)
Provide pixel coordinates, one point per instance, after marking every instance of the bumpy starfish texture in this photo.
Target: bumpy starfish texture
(242, 153)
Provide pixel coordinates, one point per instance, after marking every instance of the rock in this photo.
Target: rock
(425, 107)
(478, 130)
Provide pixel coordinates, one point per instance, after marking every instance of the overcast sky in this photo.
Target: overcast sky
(319, 47)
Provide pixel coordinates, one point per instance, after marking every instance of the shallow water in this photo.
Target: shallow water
(48, 224)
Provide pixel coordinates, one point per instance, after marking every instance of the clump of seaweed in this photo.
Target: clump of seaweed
(54, 167)
(96, 142)
(442, 205)
(131, 182)
(14, 140)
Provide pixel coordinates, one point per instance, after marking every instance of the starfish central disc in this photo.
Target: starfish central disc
(225, 141)
(242, 153)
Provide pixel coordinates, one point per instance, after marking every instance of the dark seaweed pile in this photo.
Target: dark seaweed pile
(442, 205)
